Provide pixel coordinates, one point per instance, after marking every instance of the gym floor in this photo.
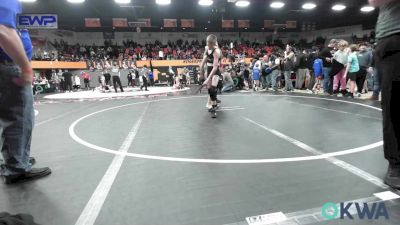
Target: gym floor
(165, 161)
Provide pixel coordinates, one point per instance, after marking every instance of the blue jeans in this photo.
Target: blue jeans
(328, 85)
(274, 76)
(16, 122)
(228, 87)
(288, 81)
(266, 81)
(377, 83)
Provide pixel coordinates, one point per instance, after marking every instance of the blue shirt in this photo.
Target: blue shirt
(317, 67)
(9, 9)
(353, 60)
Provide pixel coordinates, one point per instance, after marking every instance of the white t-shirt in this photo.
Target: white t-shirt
(115, 71)
(77, 80)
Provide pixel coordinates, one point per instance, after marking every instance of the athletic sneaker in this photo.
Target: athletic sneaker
(213, 112)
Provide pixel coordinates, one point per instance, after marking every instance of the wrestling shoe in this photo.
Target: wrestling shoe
(213, 112)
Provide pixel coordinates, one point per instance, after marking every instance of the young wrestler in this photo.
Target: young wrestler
(212, 58)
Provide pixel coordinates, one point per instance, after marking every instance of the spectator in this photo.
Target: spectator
(151, 79)
(67, 81)
(302, 71)
(352, 69)
(365, 60)
(130, 79)
(326, 57)
(16, 102)
(387, 61)
(288, 67)
(318, 73)
(341, 56)
(86, 79)
(77, 83)
(116, 77)
(144, 73)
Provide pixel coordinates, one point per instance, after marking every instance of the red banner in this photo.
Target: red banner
(92, 22)
(269, 24)
(120, 22)
(170, 23)
(243, 23)
(228, 24)
(291, 24)
(188, 23)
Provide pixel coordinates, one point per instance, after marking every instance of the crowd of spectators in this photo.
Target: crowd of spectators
(131, 50)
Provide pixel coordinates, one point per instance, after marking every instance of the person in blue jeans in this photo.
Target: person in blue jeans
(16, 99)
(377, 85)
(326, 56)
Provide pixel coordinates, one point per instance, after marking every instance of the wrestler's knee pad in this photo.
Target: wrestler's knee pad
(212, 91)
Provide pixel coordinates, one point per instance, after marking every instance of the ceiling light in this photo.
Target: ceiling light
(277, 5)
(76, 1)
(163, 2)
(123, 1)
(206, 2)
(27, 0)
(338, 7)
(367, 9)
(309, 6)
(242, 3)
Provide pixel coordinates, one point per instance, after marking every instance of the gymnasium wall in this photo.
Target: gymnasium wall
(88, 38)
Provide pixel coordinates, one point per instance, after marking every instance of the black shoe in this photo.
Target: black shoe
(34, 174)
(393, 177)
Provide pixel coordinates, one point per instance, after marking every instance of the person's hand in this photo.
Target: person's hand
(25, 79)
(206, 82)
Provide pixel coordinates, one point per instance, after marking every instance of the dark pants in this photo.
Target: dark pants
(16, 122)
(68, 85)
(108, 81)
(116, 81)
(387, 61)
(361, 76)
(144, 84)
(152, 82)
(87, 85)
(130, 82)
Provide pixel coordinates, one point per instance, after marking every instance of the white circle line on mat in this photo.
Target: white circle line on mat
(76, 138)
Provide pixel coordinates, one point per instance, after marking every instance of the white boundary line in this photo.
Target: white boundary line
(75, 137)
(342, 164)
(338, 111)
(93, 207)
